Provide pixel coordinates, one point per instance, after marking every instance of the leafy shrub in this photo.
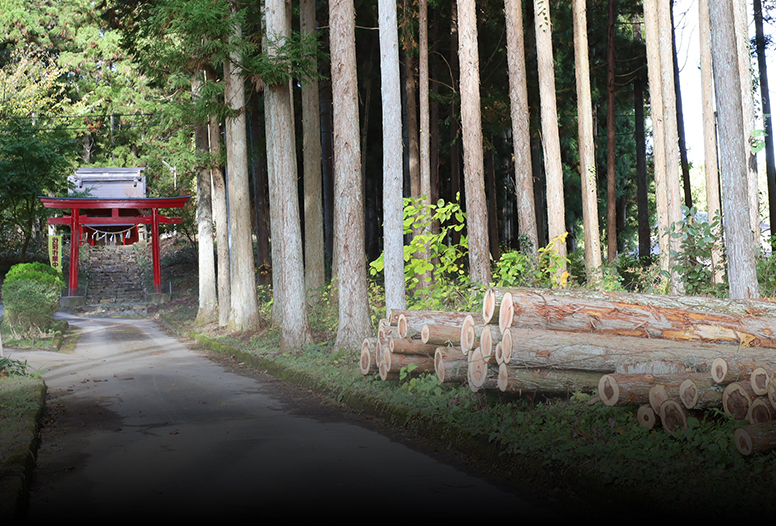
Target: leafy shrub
(516, 268)
(434, 264)
(693, 261)
(31, 296)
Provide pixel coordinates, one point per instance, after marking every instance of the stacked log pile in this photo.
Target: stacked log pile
(672, 356)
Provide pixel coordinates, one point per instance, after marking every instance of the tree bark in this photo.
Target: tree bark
(354, 323)
(546, 381)
(755, 438)
(221, 220)
(611, 144)
(684, 164)
(770, 158)
(285, 208)
(733, 156)
(656, 113)
(670, 137)
(711, 168)
(549, 312)
(393, 177)
(608, 354)
(521, 137)
(587, 171)
(741, 22)
(314, 251)
(556, 211)
(243, 312)
(208, 299)
(471, 121)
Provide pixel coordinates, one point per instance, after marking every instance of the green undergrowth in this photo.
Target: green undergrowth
(20, 397)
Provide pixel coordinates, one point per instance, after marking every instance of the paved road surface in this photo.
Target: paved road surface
(145, 427)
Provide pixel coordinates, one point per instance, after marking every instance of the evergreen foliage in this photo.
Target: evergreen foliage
(31, 296)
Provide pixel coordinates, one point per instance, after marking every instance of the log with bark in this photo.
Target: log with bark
(755, 438)
(413, 346)
(550, 311)
(700, 392)
(550, 382)
(441, 335)
(414, 320)
(392, 363)
(673, 417)
(760, 411)
(737, 398)
(762, 307)
(732, 369)
(627, 389)
(450, 364)
(609, 354)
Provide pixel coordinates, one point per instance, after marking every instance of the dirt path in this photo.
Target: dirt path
(142, 426)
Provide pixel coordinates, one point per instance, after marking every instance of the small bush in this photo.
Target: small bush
(31, 296)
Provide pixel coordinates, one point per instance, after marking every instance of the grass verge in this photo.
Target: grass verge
(22, 399)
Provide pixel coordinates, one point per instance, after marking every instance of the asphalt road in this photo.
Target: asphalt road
(141, 426)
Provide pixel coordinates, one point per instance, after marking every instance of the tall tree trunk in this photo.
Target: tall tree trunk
(314, 251)
(354, 322)
(455, 125)
(425, 154)
(670, 136)
(471, 122)
(490, 178)
(656, 114)
(243, 312)
(611, 145)
(393, 177)
(285, 207)
(556, 212)
(413, 146)
(208, 300)
(221, 219)
(685, 165)
(770, 159)
(521, 133)
(733, 152)
(587, 172)
(260, 197)
(642, 183)
(741, 22)
(713, 205)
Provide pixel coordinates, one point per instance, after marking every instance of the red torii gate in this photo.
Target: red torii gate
(146, 212)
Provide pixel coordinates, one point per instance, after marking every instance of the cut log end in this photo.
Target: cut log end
(488, 305)
(688, 394)
(743, 441)
(673, 417)
(719, 370)
(657, 396)
(478, 369)
(759, 412)
(608, 391)
(506, 312)
(646, 416)
(736, 401)
(759, 380)
(467, 334)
